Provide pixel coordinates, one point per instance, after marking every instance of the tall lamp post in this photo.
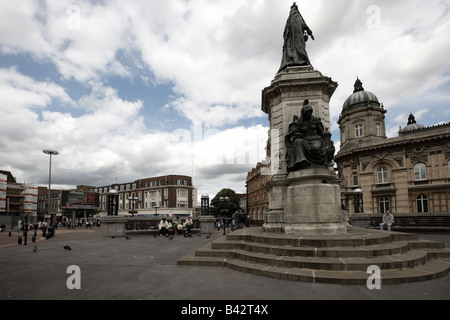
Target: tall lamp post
(224, 200)
(205, 204)
(51, 153)
(133, 199)
(358, 200)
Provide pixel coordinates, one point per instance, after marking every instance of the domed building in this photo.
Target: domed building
(362, 119)
(407, 174)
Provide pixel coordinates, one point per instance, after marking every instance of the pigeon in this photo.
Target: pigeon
(154, 235)
(199, 235)
(67, 248)
(208, 236)
(34, 249)
(128, 238)
(171, 237)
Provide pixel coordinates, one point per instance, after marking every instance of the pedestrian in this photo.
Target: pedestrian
(188, 225)
(163, 227)
(388, 219)
(175, 222)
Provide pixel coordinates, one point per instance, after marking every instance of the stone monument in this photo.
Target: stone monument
(304, 194)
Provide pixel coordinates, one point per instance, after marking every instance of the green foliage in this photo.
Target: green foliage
(225, 208)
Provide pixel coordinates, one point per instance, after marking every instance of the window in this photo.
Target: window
(384, 204)
(355, 178)
(182, 204)
(448, 165)
(422, 203)
(382, 175)
(378, 127)
(182, 182)
(359, 131)
(420, 172)
(153, 184)
(182, 193)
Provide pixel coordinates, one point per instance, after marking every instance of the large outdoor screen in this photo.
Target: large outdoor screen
(79, 199)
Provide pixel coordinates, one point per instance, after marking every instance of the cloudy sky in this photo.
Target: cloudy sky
(133, 89)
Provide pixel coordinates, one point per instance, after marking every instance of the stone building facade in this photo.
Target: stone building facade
(409, 173)
(257, 194)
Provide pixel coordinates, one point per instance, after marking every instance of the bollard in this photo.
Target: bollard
(19, 240)
(25, 238)
(9, 234)
(33, 238)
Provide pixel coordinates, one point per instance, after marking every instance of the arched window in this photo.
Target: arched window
(422, 203)
(420, 172)
(258, 217)
(382, 174)
(384, 204)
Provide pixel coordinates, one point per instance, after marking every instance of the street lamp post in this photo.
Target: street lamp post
(133, 199)
(205, 204)
(51, 153)
(358, 200)
(224, 200)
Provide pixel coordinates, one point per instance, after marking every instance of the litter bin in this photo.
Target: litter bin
(19, 240)
(51, 232)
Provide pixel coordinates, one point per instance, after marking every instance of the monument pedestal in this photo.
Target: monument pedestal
(307, 201)
(313, 204)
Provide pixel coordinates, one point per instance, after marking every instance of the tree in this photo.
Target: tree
(225, 208)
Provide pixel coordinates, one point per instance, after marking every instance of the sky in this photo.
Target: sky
(125, 90)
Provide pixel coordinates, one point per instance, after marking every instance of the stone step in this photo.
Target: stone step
(355, 238)
(396, 247)
(333, 259)
(431, 270)
(426, 244)
(407, 260)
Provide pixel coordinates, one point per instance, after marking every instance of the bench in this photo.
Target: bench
(414, 221)
(150, 226)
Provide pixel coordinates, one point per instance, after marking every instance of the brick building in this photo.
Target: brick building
(165, 195)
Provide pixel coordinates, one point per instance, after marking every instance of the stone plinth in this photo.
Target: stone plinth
(207, 224)
(113, 226)
(281, 101)
(313, 204)
(360, 220)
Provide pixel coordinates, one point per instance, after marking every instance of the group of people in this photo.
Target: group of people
(176, 225)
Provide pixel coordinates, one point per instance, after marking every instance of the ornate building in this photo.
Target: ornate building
(409, 173)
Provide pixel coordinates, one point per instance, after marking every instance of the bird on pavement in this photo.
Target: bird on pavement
(208, 236)
(34, 249)
(171, 237)
(67, 248)
(128, 238)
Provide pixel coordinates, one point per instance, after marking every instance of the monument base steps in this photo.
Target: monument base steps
(338, 259)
